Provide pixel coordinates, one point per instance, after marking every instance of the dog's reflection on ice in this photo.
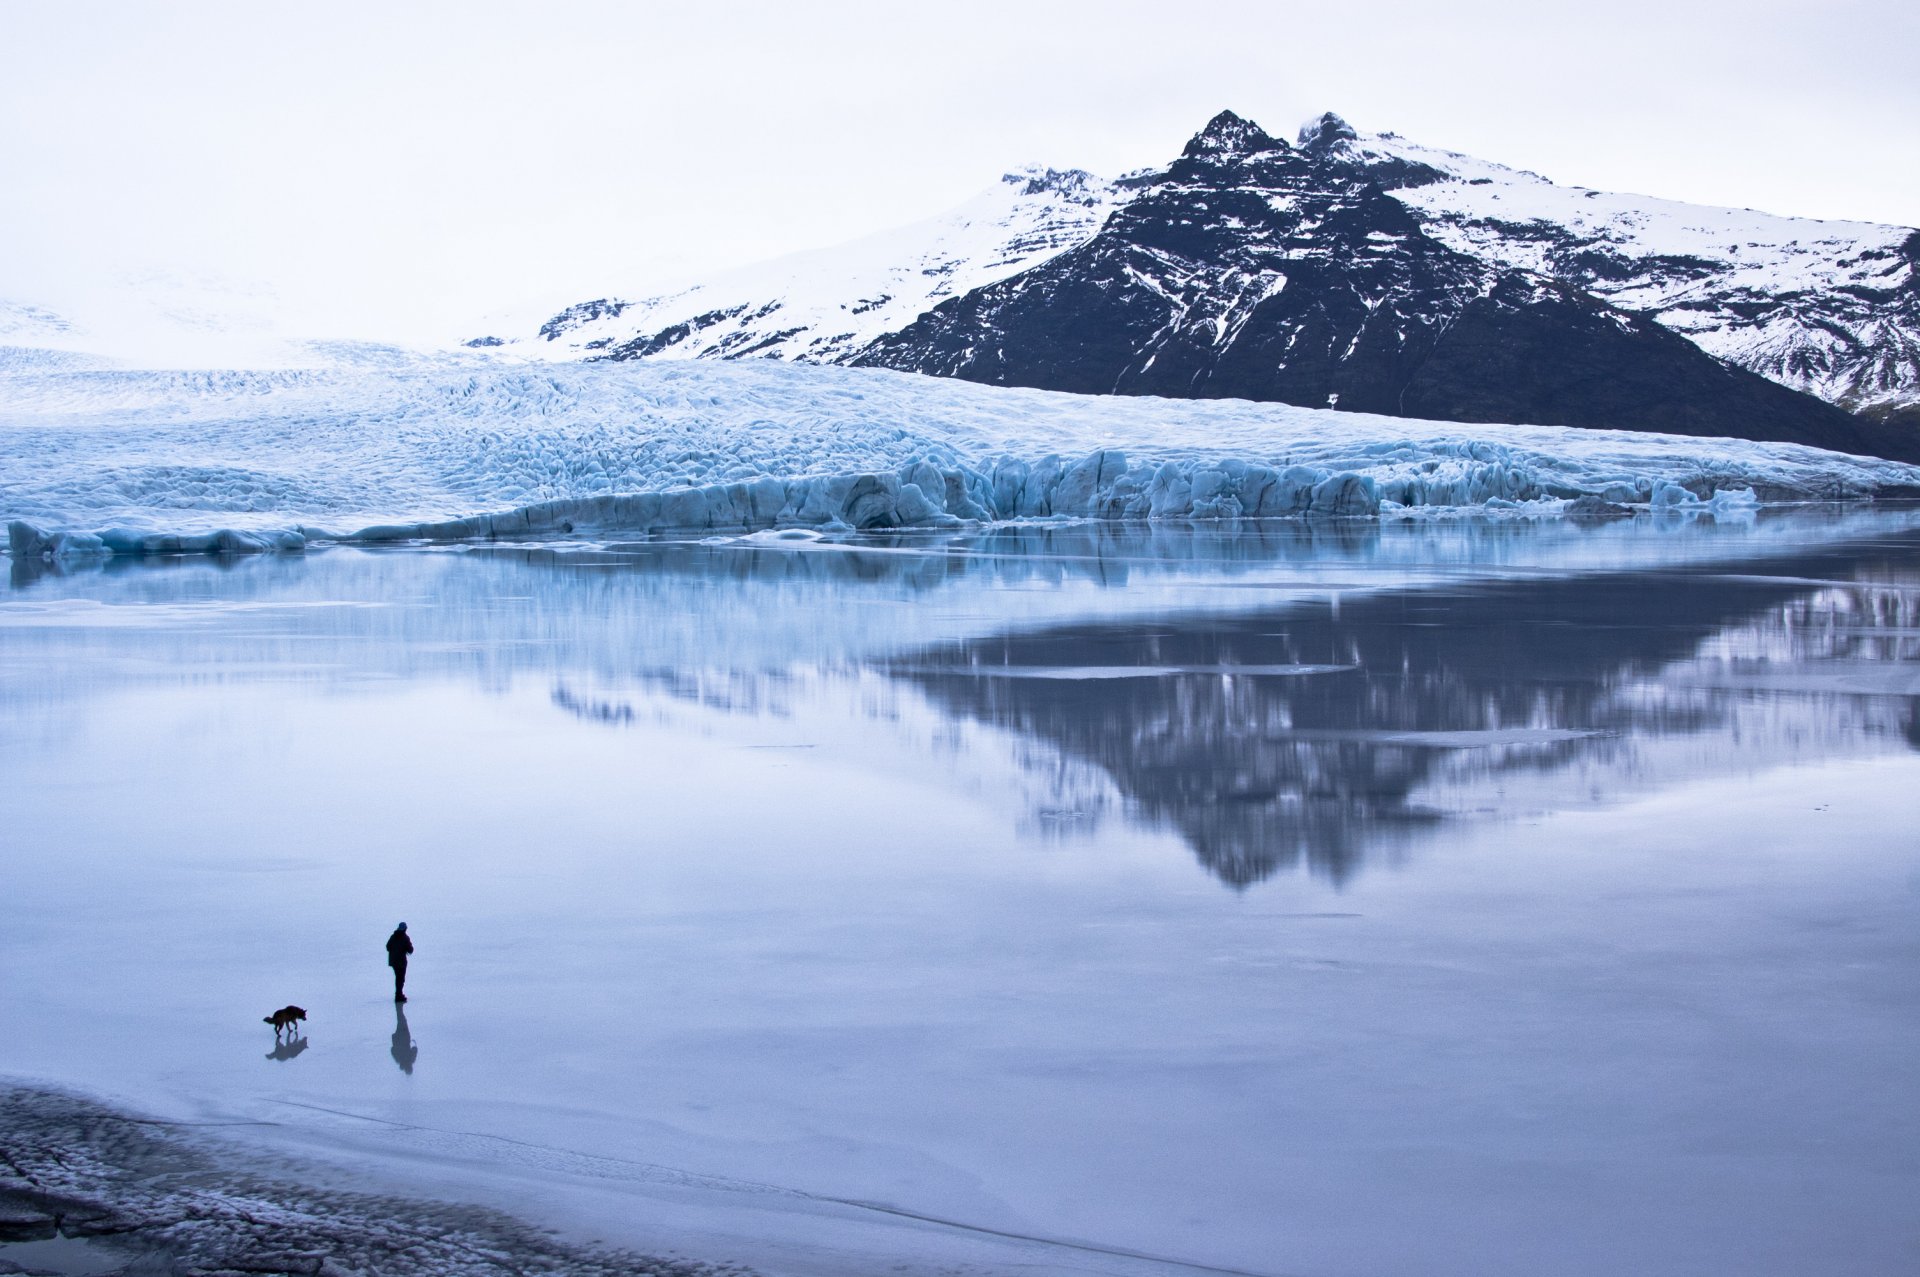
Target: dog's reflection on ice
(288, 1048)
(405, 1050)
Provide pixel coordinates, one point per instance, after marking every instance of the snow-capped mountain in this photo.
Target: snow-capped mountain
(1253, 269)
(1828, 307)
(824, 306)
(1345, 269)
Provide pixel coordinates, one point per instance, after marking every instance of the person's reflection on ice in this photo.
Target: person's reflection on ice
(405, 1050)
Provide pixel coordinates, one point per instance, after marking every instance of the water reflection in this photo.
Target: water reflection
(1436, 702)
(1278, 696)
(404, 1049)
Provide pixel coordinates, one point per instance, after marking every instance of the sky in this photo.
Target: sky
(407, 171)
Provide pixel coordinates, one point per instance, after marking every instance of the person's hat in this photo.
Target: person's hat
(401, 927)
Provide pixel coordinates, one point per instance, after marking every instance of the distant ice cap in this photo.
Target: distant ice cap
(1325, 130)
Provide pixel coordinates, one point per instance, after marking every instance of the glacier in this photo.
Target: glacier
(374, 445)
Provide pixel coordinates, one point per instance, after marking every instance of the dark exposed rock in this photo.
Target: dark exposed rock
(1591, 507)
(1073, 182)
(580, 313)
(1227, 134)
(653, 343)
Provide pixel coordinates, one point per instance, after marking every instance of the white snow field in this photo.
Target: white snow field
(378, 445)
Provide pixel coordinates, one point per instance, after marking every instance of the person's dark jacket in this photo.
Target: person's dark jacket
(399, 945)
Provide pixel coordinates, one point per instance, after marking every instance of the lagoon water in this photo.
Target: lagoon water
(1361, 898)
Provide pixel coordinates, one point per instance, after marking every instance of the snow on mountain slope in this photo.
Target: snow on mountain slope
(820, 306)
(1828, 307)
(1831, 308)
(141, 462)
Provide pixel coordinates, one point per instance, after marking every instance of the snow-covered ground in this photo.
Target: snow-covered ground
(380, 443)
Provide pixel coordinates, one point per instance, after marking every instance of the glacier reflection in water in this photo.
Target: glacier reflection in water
(1278, 695)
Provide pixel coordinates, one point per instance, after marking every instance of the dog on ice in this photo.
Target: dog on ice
(286, 1019)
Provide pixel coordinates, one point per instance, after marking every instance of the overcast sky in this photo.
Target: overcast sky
(397, 169)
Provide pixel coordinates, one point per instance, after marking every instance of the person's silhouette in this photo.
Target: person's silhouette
(405, 1049)
(399, 945)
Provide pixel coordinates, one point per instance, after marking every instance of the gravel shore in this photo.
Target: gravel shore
(147, 1198)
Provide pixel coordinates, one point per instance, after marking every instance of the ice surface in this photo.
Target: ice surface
(766, 601)
(381, 449)
(1567, 931)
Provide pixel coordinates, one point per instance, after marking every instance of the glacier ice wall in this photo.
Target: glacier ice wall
(97, 460)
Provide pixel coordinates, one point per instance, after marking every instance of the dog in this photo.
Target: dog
(286, 1018)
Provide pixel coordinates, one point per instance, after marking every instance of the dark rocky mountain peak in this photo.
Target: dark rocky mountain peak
(1324, 132)
(1230, 135)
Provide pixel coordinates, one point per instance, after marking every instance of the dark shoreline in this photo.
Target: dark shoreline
(149, 1197)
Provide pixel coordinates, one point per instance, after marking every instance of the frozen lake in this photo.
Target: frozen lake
(1406, 898)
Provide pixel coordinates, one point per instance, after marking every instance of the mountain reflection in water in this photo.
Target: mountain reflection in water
(1277, 695)
(1412, 706)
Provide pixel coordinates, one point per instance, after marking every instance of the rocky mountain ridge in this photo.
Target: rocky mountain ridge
(1831, 308)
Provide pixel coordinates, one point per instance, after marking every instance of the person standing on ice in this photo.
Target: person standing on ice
(398, 947)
